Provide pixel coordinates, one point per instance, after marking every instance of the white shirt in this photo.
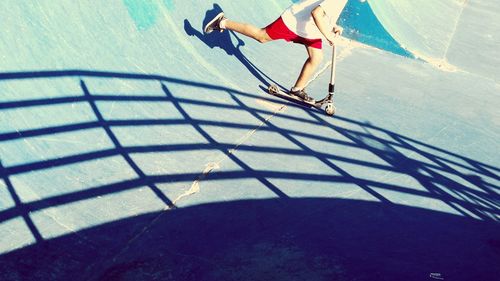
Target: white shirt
(298, 16)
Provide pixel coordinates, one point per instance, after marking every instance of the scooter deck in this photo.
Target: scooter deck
(327, 101)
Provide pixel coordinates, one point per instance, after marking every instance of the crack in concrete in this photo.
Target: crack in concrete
(217, 164)
(457, 22)
(195, 186)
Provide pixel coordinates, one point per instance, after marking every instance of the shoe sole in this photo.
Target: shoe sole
(209, 24)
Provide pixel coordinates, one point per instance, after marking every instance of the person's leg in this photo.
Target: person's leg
(246, 29)
(312, 62)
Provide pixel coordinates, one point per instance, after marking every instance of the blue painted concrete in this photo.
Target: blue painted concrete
(363, 26)
(143, 12)
(132, 146)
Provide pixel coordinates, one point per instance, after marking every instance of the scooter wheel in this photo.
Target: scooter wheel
(330, 109)
(273, 89)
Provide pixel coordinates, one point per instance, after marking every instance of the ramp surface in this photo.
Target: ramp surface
(133, 147)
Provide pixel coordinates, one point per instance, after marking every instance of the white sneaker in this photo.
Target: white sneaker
(214, 24)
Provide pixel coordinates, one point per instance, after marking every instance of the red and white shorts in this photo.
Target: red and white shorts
(278, 30)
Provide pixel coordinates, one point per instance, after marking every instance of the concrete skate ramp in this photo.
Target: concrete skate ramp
(451, 33)
(133, 147)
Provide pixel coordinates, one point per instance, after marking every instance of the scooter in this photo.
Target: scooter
(327, 101)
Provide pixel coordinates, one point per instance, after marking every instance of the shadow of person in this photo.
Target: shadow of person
(223, 41)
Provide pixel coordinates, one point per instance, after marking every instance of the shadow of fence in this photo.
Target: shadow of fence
(93, 141)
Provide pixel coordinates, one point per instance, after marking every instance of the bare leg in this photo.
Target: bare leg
(312, 62)
(249, 30)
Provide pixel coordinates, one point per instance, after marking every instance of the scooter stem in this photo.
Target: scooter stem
(331, 87)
